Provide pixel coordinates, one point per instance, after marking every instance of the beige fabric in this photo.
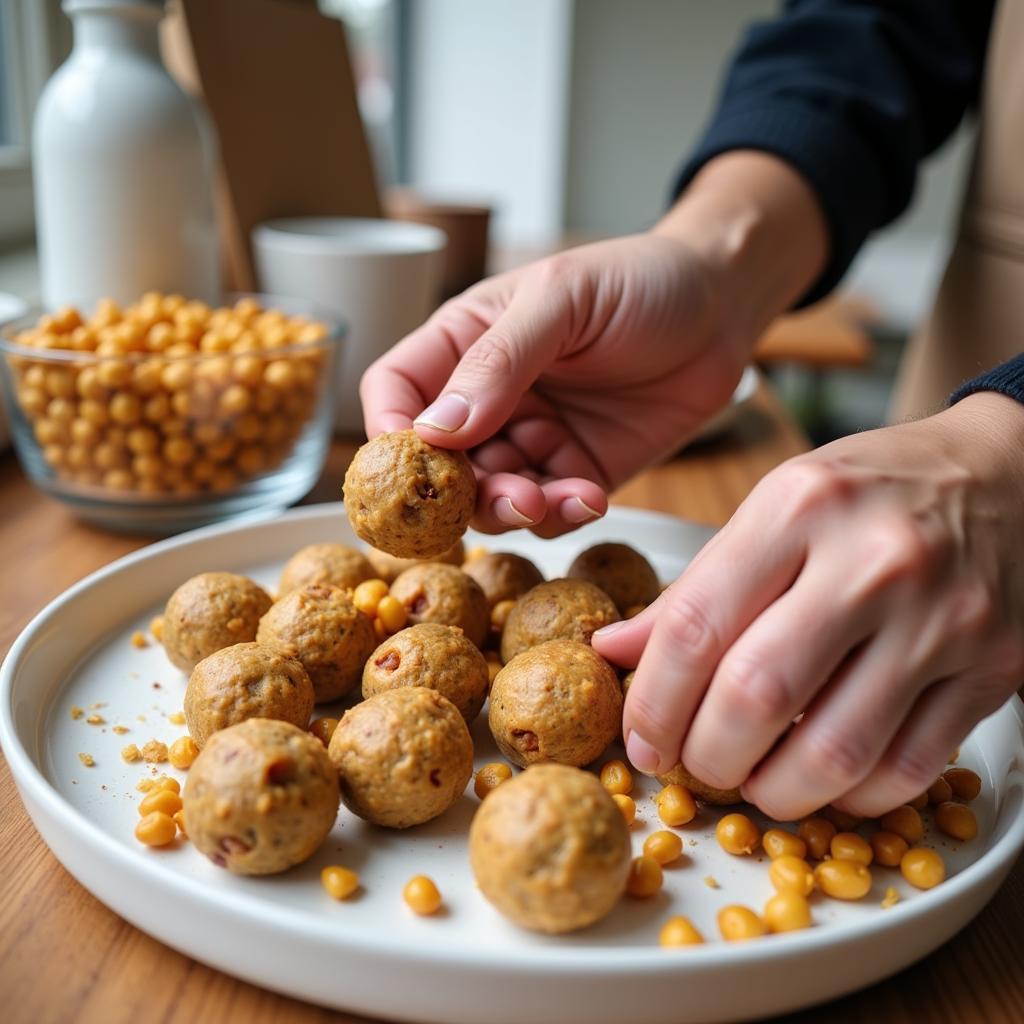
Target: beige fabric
(978, 317)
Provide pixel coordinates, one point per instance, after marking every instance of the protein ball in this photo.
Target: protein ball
(439, 657)
(620, 571)
(407, 497)
(246, 681)
(403, 756)
(559, 701)
(334, 564)
(432, 592)
(550, 849)
(211, 611)
(556, 610)
(260, 797)
(389, 568)
(701, 790)
(503, 576)
(321, 627)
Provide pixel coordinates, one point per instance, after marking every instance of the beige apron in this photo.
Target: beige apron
(977, 321)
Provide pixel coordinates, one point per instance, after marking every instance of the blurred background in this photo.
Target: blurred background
(569, 118)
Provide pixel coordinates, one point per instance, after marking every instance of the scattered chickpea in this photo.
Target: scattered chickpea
(645, 877)
(323, 729)
(156, 829)
(76, 711)
(96, 720)
(339, 882)
(490, 777)
(679, 931)
(905, 822)
(392, 614)
(87, 760)
(131, 753)
(843, 879)
(777, 842)
(500, 613)
(888, 848)
(139, 639)
(182, 752)
(738, 924)
(179, 820)
(920, 802)
(167, 782)
(627, 805)
(663, 846)
(817, 833)
(368, 595)
(956, 820)
(176, 718)
(966, 785)
(160, 800)
(676, 805)
(939, 791)
(421, 895)
(737, 834)
(787, 911)
(922, 867)
(850, 846)
(791, 874)
(616, 777)
(154, 751)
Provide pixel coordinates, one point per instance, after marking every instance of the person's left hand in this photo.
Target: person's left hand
(875, 587)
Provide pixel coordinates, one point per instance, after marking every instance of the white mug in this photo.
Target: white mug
(382, 278)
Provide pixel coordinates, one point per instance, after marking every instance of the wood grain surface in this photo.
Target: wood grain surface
(65, 958)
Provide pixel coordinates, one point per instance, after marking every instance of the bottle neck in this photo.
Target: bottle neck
(118, 26)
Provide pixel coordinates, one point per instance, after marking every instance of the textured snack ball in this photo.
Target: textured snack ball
(320, 626)
(503, 576)
(261, 797)
(211, 611)
(246, 681)
(438, 657)
(389, 568)
(620, 571)
(407, 497)
(403, 756)
(334, 564)
(550, 849)
(433, 592)
(556, 610)
(559, 701)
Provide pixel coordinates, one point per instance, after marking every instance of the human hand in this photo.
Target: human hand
(874, 587)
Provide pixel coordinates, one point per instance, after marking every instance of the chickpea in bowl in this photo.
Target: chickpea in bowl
(167, 413)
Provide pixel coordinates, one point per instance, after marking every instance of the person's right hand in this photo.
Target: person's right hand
(566, 376)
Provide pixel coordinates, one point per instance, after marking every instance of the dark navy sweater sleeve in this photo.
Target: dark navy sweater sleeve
(1007, 379)
(853, 94)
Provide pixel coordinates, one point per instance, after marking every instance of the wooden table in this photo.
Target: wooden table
(65, 957)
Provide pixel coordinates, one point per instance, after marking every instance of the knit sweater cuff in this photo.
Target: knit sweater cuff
(1007, 379)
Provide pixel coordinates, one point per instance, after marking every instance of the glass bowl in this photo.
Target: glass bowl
(167, 414)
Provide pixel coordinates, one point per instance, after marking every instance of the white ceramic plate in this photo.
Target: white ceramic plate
(370, 955)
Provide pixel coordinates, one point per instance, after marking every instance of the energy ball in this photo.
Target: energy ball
(321, 627)
(438, 657)
(388, 568)
(404, 756)
(334, 564)
(701, 790)
(242, 682)
(211, 611)
(550, 849)
(503, 576)
(559, 701)
(621, 572)
(260, 797)
(556, 610)
(407, 497)
(433, 592)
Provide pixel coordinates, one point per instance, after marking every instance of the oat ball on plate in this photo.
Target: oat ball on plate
(550, 849)
(503, 576)
(321, 627)
(407, 497)
(337, 565)
(556, 610)
(432, 592)
(439, 657)
(559, 701)
(260, 797)
(388, 568)
(403, 756)
(621, 572)
(211, 611)
(246, 681)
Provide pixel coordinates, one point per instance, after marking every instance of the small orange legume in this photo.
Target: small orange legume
(627, 805)
(421, 895)
(663, 846)
(939, 791)
(179, 820)
(368, 595)
(905, 822)
(160, 800)
(817, 833)
(182, 752)
(392, 614)
(676, 805)
(737, 834)
(340, 882)
(843, 879)
(738, 924)
(131, 753)
(645, 877)
(616, 777)
(156, 829)
(888, 848)
(850, 846)
(922, 867)
(490, 776)
(966, 785)
(787, 911)
(323, 729)
(956, 820)
(679, 931)
(777, 842)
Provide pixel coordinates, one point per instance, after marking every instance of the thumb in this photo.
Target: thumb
(495, 372)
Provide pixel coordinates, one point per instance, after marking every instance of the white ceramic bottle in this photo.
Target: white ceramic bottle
(123, 167)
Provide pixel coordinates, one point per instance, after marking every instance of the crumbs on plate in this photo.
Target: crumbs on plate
(76, 712)
(87, 760)
(154, 752)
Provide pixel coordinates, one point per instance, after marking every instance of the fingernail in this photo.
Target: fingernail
(641, 754)
(613, 627)
(448, 413)
(576, 510)
(505, 512)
